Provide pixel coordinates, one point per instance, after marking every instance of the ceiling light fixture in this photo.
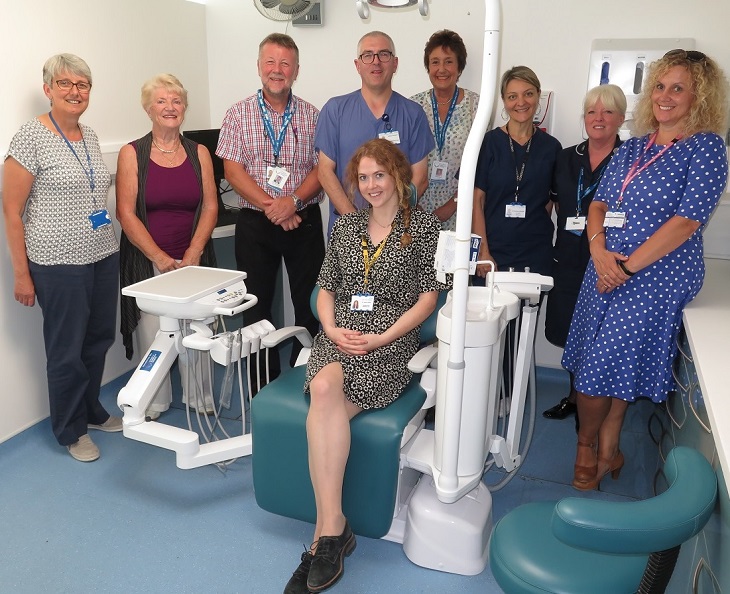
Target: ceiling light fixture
(363, 8)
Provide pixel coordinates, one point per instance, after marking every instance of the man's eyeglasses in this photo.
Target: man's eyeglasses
(369, 57)
(691, 55)
(67, 85)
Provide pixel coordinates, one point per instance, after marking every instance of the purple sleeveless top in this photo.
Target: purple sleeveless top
(172, 196)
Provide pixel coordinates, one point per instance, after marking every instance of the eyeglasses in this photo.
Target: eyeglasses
(691, 55)
(67, 85)
(369, 57)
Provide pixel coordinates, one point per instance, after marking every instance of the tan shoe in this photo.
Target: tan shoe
(111, 425)
(84, 450)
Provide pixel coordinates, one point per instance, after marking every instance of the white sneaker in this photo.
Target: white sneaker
(84, 450)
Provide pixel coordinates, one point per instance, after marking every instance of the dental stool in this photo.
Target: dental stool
(280, 466)
(576, 545)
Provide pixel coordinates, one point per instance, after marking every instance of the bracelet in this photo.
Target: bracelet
(596, 235)
(625, 270)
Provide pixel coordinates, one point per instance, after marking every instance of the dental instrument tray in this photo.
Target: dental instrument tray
(192, 292)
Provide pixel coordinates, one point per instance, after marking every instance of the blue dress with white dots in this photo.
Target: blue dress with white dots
(622, 343)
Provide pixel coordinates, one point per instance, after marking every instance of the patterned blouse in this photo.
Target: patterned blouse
(439, 192)
(57, 226)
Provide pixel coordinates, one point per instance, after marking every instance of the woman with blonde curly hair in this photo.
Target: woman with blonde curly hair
(377, 285)
(645, 237)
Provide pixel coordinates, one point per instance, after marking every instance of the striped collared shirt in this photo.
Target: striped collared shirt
(243, 139)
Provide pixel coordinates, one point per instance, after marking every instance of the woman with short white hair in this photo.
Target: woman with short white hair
(65, 253)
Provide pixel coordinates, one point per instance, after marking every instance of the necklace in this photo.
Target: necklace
(443, 102)
(526, 136)
(170, 152)
(374, 220)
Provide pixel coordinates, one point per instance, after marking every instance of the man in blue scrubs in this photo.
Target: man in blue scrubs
(373, 111)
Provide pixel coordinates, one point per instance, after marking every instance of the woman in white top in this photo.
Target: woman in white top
(65, 254)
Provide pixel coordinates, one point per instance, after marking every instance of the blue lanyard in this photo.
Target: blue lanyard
(276, 141)
(439, 131)
(581, 194)
(90, 173)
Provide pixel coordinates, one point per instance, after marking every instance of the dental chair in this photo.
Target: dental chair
(370, 491)
(578, 545)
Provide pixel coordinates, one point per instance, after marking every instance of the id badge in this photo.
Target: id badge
(362, 302)
(615, 219)
(515, 210)
(391, 135)
(439, 169)
(575, 224)
(100, 218)
(277, 177)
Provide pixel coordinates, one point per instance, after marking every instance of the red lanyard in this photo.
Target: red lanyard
(636, 170)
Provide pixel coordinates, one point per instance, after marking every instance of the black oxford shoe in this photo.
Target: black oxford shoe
(297, 584)
(560, 411)
(328, 564)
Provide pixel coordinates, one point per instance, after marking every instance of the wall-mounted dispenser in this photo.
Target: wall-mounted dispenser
(625, 62)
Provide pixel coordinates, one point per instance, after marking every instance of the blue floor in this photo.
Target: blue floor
(133, 522)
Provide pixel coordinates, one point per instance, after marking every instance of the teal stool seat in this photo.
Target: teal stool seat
(526, 557)
(281, 470)
(578, 545)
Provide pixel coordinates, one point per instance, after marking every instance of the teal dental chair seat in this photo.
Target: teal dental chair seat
(280, 466)
(580, 546)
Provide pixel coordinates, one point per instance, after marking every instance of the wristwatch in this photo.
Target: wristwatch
(297, 202)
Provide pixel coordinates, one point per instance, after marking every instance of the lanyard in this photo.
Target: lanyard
(581, 193)
(366, 254)
(276, 140)
(636, 170)
(521, 171)
(439, 131)
(88, 173)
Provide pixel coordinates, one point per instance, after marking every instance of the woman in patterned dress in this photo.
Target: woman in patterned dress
(377, 285)
(645, 235)
(65, 254)
(450, 111)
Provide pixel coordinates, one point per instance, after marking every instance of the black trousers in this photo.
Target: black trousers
(260, 247)
(79, 305)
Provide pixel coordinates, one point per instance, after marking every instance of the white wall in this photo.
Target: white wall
(124, 43)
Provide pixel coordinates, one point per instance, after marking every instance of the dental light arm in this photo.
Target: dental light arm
(455, 369)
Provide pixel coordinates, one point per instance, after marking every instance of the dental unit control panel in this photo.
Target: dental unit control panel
(195, 294)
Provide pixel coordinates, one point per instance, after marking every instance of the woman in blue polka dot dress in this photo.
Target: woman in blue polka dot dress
(645, 231)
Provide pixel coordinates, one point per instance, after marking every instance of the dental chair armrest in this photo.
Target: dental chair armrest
(422, 359)
(282, 334)
(643, 527)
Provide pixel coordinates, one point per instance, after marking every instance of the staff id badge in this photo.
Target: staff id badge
(439, 169)
(100, 218)
(515, 210)
(615, 219)
(391, 135)
(362, 302)
(575, 224)
(277, 177)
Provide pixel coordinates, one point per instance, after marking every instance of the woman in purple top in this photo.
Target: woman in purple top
(167, 206)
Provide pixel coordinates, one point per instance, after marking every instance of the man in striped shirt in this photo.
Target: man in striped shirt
(267, 146)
